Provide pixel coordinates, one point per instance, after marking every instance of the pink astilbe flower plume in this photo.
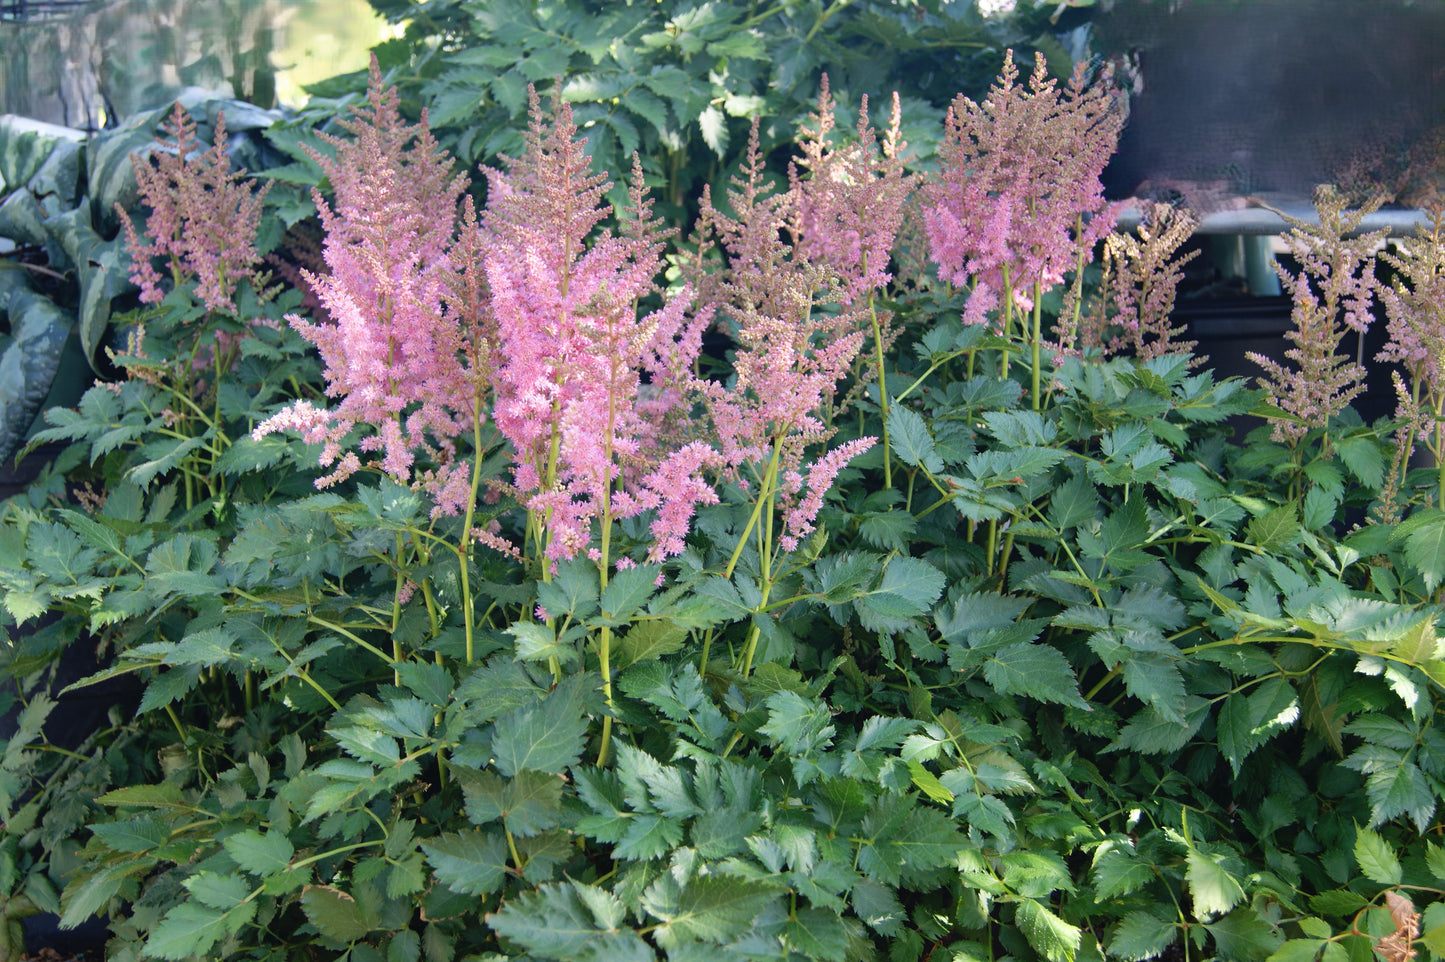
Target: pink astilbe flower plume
(203, 218)
(796, 341)
(1018, 199)
(573, 346)
(406, 341)
(847, 211)
(1135, 299)
(1333, 296)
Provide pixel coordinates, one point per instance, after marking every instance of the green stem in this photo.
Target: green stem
(1037, 340)
(464, 548)
(882, 380)
(764, 492)
(356, 639)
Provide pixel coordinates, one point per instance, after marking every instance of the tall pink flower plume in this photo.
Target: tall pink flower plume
(573, 346)
(203, 217)
(405, 333)
(797, 331)
(847, 211)
(1018, 175)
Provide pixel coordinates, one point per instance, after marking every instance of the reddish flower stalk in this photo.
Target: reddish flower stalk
(203, 218)
(1333, 295)
(1136, 295)
(1415, 309)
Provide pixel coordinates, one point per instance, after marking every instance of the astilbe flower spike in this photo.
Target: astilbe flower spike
(1017, 199)
(847, 211)
(1136, 293)
(1333, 295)
(573, 346)
(402, 344)
(203, 218)
(1415, 313)
(796, 340)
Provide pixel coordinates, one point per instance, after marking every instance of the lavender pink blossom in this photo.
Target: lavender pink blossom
(1018, 197)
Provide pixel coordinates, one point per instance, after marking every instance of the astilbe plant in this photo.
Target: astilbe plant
(203, 217)
(798, 333)
(1415, 313)
(1017, 202)
(403, 354)
(846, 214)
(575, 346)
(1135, 298)
(1333, 294)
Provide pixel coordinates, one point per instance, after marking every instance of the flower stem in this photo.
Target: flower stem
(882, 384)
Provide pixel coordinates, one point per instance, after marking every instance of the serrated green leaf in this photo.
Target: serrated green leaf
(1056, 939)
(1435, 859)
(551, 922)
(714, 128)
(1035, 670)
(1298, 951)
(95, 891)
(133, 835)
(908, 435)
(713, 908)
(646, 641)
(1244, 936)
(1211, 886)
(1364, 459)
(527, 804)
(260, 854)
(336, 914)
(164, 795)
(222, 892)
(1140, 936)
(627, 591)
(908, 589)
(545, 736)
(1340, 903)
(187, 930)
(1275, 529)
(538, 642)
(469, 862)
(1375, 857)
(1118, 872)
(1425, 549)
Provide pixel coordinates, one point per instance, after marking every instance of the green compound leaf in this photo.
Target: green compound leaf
(222, 892)
(1425, 549)
(908, 590)
(908, 435)
(1035, 670)
(1140, 936)
(188, 930)
(566, 922)
(336, 914)
(260, 854)
(1214, 890)
(712, 908)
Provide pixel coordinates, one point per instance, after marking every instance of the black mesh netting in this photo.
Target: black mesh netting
(1274, 96)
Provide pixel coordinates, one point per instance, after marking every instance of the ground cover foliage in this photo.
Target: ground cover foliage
(478, 614)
